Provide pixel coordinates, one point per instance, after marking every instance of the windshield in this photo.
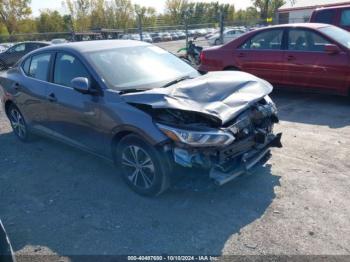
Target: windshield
(141, 67)
(338, 34)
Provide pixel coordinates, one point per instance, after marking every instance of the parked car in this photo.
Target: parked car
(147, 38)
(166, 37)
(58, 41)
(16, 52)
(295, 55)
(181, 35)
(174, 36)
(156, 37)
(336, 15)
(101, 97)
(5, 46)
(229, 35)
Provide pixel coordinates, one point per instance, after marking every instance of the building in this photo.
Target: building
(299, 11)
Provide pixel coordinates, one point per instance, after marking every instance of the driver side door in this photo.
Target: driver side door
(74, 117)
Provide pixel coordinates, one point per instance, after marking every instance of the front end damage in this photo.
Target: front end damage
(222, 122)
(251, 134)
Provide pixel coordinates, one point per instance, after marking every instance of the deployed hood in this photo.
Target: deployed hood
(222, 95)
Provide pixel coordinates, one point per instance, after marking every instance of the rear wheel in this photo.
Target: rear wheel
(217, 42)
(141, 167)
(18, 123)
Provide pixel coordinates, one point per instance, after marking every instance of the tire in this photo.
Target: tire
(18, 124)
(141, 166)
(217, 42)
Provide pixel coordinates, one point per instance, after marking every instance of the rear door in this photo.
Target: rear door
(73, 116)
(31, 88)
(262, 55)
(308, 63)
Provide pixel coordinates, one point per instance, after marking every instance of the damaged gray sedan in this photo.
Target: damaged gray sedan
(143, 108)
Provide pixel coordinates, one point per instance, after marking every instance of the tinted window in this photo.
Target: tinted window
(306, 40)
(325, 16)
(39, 66)
(345, 18)
(67, 68)
(267, 40)
(26, 65)
(33, 46)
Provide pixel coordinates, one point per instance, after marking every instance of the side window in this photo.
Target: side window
(306, 40)
(39, 66)
(345, 18)
(67, 68)
(18, 48)
(325, 16)
(26, 65)
(267, 40)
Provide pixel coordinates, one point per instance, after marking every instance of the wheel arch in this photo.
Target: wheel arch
(231, 68)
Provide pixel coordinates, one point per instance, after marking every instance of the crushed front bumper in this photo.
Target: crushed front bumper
(222, 174)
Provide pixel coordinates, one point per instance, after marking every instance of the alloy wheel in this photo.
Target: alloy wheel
(138, 166)
(18, 124)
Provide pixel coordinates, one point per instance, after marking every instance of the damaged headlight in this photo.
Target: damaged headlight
(197, 138)
(272, 104)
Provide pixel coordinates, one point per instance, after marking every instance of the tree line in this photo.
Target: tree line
(83, 15)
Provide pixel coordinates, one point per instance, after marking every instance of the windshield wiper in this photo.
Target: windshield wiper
(178, 80)
(131, 90)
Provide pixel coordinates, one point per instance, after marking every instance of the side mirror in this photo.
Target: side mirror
(82, 85)
(332, 49)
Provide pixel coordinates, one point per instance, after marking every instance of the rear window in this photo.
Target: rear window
(324, 16)
(345, 18)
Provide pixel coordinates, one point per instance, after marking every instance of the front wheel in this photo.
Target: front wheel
(18, 123)
(141, 167)
(217, 42)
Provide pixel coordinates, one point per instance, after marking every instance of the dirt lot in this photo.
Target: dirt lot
(57, 200)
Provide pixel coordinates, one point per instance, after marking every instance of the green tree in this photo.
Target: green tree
(50, 21)
(174, 10)
(12, 11)
(268, 8)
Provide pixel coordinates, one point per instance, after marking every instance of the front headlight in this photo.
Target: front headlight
(197, 138)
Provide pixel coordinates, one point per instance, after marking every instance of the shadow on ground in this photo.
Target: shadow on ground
(315, 109)
(72, 203)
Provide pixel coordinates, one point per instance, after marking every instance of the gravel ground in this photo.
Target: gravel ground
(59, 201)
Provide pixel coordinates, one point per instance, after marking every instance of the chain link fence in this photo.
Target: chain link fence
(205, 30)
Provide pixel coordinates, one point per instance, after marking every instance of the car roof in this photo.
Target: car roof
(97, 45)
(300, 25)
(332, 7)
(32, 42)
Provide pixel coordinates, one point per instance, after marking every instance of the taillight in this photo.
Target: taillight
(202, 57)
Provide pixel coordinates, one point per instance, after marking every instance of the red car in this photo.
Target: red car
(335, 15)
(307, 56)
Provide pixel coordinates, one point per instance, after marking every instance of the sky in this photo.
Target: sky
(158, 4)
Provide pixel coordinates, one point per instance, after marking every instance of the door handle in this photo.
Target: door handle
(290, 57)
(52, 97)
(241, 55)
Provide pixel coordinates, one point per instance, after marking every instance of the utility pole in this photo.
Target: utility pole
(139, 21)
(222, 27)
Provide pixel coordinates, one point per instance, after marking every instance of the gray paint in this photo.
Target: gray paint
(222, 95)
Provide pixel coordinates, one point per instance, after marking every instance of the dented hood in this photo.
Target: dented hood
(222, 95)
